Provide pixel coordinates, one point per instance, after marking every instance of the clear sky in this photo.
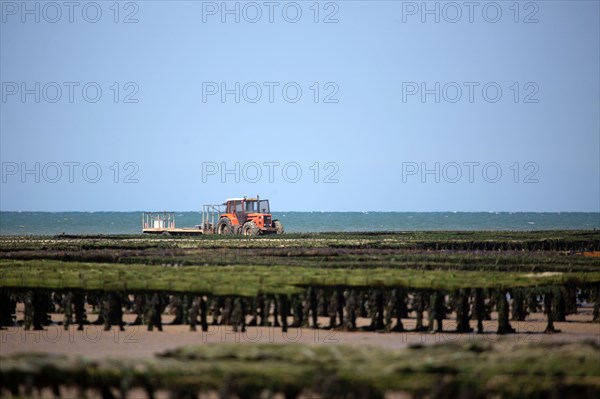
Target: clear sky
(380, 105)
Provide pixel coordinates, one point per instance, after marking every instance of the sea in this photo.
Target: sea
(55, 223)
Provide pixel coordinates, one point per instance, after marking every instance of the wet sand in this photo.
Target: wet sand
(136, 341)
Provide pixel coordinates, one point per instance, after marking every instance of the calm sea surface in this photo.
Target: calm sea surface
(51, 223)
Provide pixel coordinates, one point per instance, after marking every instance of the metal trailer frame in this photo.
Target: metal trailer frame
(210, 217)
(165, 219)
(164, 223)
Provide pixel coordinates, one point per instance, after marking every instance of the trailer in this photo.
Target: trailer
(164, 223)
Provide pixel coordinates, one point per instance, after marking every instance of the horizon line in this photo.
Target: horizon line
(296, 211)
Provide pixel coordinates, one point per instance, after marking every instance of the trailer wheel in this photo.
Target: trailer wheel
(224, 226)
(279, 226)
(250, 229)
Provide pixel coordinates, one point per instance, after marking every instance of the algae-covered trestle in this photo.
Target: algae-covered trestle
(251, 280)
(451, 282)
(383, 276)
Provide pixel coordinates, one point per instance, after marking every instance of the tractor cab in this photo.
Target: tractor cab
(248, 216)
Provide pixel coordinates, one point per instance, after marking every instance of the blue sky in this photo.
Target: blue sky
(162, 123)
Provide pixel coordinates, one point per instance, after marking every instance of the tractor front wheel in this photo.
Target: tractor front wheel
(224, 226)
(279, 226)
(250, 229)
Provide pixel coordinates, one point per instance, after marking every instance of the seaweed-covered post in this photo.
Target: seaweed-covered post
(153, 314)
(559, 304)
(79, 309)
(570, 296)
(362, 303)
(149, 312)
(254, 306)
(341, 302)
(265, 311)
(93, 298)
(139, 306)
(180, 305)
(479, 309)
(106, 393)
(36, 306)
(193, 312)
(28, 312)
(490, 305)
(67, 305)
(548, 299)
(401, 308)
(352, 308)
(203, 313)
(46, 306)
(532, 300)
(419, 306)
(461, 303)
(238, 315)
(149, 388)
(332, 308)
(313, 306)
(297, 311)
(375, 313)
(105, 311)
(504, 326)
(275, 311)
(322, 298)
(177, 305)
(518, 311)
(217, 304)
(379, 305)
(185, 307)
(437, 311)
(596, 299)
(113, 310)
(390, 303)
(8, 308)
(396, 305)
(284, 311)
(226, 313)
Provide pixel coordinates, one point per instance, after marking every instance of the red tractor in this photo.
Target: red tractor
(248, 216)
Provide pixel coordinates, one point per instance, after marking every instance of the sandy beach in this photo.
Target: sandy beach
(135, 341)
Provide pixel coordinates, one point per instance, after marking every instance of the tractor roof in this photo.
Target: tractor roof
(241, 199)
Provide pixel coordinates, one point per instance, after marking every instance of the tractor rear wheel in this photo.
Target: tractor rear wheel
(224, 226)
(279, 226)
(250, 229)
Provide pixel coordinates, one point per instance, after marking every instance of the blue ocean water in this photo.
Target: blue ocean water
(52, 223)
